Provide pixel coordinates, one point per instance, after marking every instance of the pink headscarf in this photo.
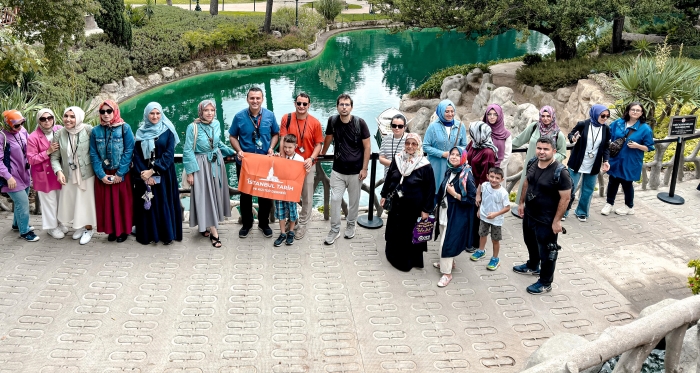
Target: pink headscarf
(117, 119)
(499, 133)
(553, 128)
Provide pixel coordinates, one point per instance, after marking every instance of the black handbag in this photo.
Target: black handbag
(616, 146)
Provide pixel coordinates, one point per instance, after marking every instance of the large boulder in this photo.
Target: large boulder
(275, 56)
(482, 98)
(130, 84)
(409, 105)
(557, 346)
(419, 124)
(293, 55)
(455, 96)
(111, 87)
(563, 94)
(155, 79)
(527, 113)
(501, 95)
(458, 82)
(167, 72)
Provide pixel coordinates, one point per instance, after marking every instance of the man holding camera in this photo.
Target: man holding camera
(548, 190)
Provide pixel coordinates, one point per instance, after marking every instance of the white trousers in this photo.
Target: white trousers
(49, 208)
(445, 263)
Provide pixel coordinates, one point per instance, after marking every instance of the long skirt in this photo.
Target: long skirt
(400, 250)
(114, 206)
(77, 206)
(163, 221)
(49, 208)
(209, 201)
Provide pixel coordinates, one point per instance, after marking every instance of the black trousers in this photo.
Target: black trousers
(537, 236)
(264, 207)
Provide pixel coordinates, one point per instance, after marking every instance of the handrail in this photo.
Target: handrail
(669, 322)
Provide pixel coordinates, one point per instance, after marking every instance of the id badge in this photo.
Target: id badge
(258, 143)
(156, 179)
(106, 162)
(301, 149)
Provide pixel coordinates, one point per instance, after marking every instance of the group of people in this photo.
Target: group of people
(461, 180)
(107, 178)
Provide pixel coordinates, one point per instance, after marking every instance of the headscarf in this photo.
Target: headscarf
(116, 119)
(480, 133)
(75, 176)
(499, 133)
(440, 111)
(553, 127)
(12, 118)
(39, 127)
(149, 131)
(463, 169)
(407, 163)
(595, 112)
(200, 110)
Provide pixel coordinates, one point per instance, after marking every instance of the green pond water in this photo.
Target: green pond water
(375, 67)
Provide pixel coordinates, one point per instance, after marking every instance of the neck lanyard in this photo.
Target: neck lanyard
(301, 134)
(394, 151)
(74, 149)
(595, 137)
(211, 138)
(21, 145)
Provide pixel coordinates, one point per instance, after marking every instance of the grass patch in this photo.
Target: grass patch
(552, 75)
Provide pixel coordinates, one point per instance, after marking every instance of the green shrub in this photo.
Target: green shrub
(686, 35)
(532, 59)
(284, 21)
(552, 75)
(224, 39)
(259, 47)
(694, 280)
(432, 87)
(104, 63)
(601, 43)
(329, 9)
(154, 48)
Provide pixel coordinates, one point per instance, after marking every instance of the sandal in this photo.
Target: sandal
(215, 241)
(444, 281)
(205, 233)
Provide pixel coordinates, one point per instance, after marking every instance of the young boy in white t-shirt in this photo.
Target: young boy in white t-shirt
(287, 210)
(492, 200)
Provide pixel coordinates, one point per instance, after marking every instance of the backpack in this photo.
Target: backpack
(6, 159)
(557, 172)
(356, 122)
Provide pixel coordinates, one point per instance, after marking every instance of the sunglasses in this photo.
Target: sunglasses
(302, 104)
(399, 126)
(44, 119)
(605, 116)
(108, 111)
(17, 125)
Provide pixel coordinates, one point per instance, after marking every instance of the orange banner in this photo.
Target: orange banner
(271, 177)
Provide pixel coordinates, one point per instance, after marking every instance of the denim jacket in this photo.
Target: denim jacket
(111, 148)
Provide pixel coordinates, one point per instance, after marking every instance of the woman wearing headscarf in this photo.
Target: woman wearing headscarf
(14, 171)
(626, 167)
(44, 181)
(481, 156)
(72, 165)
(410, 185)
(158, 215)
(591, 139)
(203, 158)
(500, 136)
(111, 150)
(458, 190)
(441, 136)
(546, 126)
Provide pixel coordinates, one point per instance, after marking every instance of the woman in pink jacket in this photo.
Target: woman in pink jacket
(39, 149)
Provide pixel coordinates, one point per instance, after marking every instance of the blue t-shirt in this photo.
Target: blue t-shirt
(627, 165)
(243, 128)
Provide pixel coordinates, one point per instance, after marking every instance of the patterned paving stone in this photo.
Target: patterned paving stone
(251, 307)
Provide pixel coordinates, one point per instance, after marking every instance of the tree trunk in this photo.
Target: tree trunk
(618, 26)
(268, 17)
(169, 2)
(563, 50)
(213, 7)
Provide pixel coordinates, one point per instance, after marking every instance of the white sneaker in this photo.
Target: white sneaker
(624, 210)
(63, 228)
(332, 236)
(78, 233)
(606, 209)
(56, 233)
(87, 236)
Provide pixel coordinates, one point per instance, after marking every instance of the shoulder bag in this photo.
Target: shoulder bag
(616, 146)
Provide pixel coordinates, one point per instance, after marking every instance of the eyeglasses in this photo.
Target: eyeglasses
(411, 144)
(604, 116)
(44, 119)
(343, 104)
(399, 126)
(302, 104)
(108, 111)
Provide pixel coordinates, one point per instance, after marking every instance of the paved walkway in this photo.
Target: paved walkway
(250, 307)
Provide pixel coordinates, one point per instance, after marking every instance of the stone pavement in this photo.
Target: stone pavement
(250, 307)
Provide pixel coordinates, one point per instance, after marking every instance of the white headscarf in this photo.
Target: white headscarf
(407, 163)
(75, 176)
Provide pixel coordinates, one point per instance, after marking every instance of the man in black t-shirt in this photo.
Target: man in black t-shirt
(350, 136)
(548, 190)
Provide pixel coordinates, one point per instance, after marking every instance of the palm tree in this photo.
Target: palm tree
(268, 17)
(213, 7)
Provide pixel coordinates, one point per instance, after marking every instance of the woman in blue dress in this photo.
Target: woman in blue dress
(441, 136)
(157, 211)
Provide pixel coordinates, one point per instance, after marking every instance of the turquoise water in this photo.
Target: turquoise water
(374, 66)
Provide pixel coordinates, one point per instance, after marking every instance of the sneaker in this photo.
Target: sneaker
(471, 249)
(332, 236)
(63, 228)
(350, 231)
(243, 233)
(280, 239)
(563, 218)
(624, 210)
(477, 255)
(606, 209)
(299, 232)
(87, 236)
(493, 264)
(16, 228)
(56, 233)
(581, 218)
(523, 269)
(267, 231)
(78, 233)
(538, 288)
(290, 239)
(30, 236)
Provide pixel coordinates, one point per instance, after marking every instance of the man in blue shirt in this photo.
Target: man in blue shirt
(254, 130)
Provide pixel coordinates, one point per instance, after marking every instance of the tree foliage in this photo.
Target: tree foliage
(638, 11)
(329, 9)
(112, 21)
(17, 59)
(57, 25)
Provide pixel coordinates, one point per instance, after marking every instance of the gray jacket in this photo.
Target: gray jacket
(59, 159)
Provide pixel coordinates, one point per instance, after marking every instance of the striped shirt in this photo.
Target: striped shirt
(390, 147)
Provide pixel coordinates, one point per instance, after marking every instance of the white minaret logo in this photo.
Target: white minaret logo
(271, 175)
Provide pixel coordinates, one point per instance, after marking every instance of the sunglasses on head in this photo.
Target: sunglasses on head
(44, 119)
(399, 126)
(302, 103)
(604, 116)
(108, 111)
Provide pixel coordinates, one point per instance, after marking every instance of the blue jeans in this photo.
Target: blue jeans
(21, 216)
(587, 187)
